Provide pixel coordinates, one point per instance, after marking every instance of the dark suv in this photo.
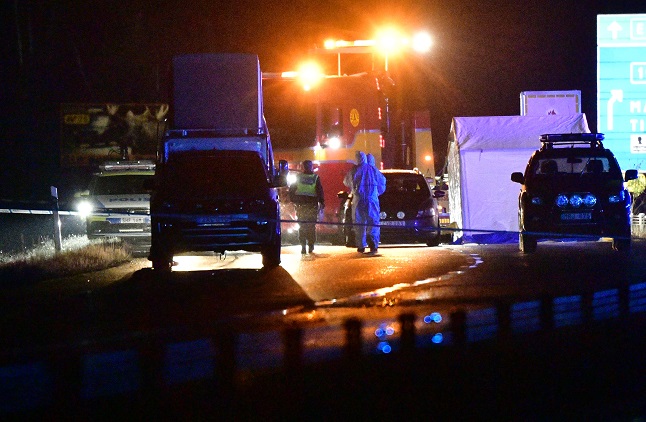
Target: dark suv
(573, 186)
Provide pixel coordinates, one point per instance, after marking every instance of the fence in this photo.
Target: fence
(639, 225)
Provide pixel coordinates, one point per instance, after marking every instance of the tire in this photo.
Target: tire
(271, 255)
(526, 243)
(434, 241)
(621, 244)
(162, 265)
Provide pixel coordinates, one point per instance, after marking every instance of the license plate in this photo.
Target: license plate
(133, 220)
(221, 219)
(576, 216)
(393, 223)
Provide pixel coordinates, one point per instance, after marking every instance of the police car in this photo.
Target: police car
(117, 203)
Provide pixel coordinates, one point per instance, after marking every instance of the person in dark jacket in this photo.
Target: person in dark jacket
(307, 194)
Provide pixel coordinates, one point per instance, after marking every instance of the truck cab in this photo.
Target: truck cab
(216, 191)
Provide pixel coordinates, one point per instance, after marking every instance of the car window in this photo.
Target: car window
(571, 165)
(126, 184)
(406, 184)
(216, 174)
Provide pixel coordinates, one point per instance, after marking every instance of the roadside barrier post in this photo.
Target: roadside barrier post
(353, 342)
(547, 313)
(58, 242)
(458, 324)
(407, 323)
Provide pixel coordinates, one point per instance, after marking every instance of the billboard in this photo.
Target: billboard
(621, 86)
(93, 133)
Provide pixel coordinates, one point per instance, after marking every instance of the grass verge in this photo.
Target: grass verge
(78, 255)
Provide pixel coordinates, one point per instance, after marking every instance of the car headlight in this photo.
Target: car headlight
(537, 200)
(576, 201)
(613, 199)
(291, 179)
(84, 208)
(589, 200)
(562, 201)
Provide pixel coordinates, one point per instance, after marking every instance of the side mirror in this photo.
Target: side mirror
(82, 193)
(343, 195)
(631, 175)
(518, 177)
(439, 194)
(281, 177)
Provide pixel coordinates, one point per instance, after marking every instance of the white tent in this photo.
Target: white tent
(482, 154)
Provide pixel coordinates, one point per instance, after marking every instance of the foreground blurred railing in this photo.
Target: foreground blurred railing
(222, 368)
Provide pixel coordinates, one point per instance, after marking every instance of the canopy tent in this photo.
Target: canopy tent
(482, 154)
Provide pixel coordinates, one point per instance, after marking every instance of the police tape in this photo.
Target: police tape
(35, 212)
(442, 228)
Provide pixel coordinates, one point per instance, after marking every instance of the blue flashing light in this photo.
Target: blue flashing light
(437, 338)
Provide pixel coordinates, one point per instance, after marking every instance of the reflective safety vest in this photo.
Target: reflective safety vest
(306, 184)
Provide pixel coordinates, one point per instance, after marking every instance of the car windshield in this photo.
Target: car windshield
(406, 184)
(577, 165)
(123, 184)
(219, 173)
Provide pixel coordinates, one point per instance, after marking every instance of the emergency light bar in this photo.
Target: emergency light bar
(127, 165)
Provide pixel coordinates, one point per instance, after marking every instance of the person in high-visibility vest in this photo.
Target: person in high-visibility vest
(307, 194)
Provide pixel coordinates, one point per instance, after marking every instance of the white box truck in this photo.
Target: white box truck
(542, 103)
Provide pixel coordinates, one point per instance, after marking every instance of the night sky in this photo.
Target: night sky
(485, 54)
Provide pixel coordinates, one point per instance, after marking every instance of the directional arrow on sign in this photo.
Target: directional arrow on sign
(614, 27)
(615, 95)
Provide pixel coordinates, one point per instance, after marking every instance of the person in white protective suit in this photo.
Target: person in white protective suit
(368, 184)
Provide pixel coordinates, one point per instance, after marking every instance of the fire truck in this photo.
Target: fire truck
(329, 122)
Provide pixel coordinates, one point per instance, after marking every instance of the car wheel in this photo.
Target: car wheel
(621, 245)
(434, 241)
(526, 243)
(162, 264)
(271, 255)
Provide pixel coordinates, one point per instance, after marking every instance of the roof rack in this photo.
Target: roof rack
(592, 139)
(127, 165)
(195, 133)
